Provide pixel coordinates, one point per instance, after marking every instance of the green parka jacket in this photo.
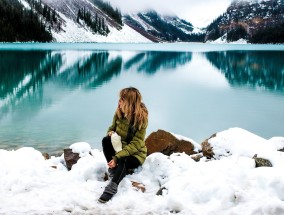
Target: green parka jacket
(136, 146)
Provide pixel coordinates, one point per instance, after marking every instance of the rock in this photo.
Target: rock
(160, 191)
(70, 158)
(197, 157)
(207, 149)
(46, 156)
(260, 162)
(166, 143)
(138, 186)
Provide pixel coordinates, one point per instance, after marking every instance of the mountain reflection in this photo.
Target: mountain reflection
(263, 69)
(17, 68)
(23, 74)
(91, 70)
(151, 62)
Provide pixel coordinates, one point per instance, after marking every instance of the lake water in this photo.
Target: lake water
(53, 95)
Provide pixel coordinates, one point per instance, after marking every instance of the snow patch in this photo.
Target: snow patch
(25, 4)
(82, 148)
(73, 32)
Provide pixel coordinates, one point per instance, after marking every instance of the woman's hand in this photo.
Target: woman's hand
(111, 164)
(110, 133)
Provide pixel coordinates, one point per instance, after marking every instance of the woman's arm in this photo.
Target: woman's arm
(136, 144)
(112, 128)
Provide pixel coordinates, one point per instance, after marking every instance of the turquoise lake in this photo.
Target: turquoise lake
(53, 95)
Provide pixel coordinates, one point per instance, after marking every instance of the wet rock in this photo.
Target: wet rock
(70, 158)
(166, 143)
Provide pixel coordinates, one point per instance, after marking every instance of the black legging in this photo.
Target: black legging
(123, 164)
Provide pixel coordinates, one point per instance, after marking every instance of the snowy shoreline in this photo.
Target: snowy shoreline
(228, 184)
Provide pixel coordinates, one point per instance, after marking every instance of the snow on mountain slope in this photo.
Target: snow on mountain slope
(159, 27)
(72, 32)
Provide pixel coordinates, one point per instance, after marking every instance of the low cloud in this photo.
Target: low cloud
(199, 13)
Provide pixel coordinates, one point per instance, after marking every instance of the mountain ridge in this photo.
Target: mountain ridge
(255, 21)
(249, 20)
(162, 28)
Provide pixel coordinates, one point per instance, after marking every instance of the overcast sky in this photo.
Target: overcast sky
(198, 12)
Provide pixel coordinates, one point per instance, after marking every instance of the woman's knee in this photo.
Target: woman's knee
(131, 162)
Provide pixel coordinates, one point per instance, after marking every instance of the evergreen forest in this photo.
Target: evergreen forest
(97, 24)
(18, 24)
(273, 35)
(115, 14)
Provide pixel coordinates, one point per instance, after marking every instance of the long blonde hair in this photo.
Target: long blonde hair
(133, 109)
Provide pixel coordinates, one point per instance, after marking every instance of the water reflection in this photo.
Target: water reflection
(50, 99)
(34, 84)
(91, 70)
(263, 69)
(151, 62)
(22, 73)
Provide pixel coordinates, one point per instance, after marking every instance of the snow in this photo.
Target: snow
(25, 4)
(197, 30)
(223, 40)
(82, 148)
(195, 144)
(73, 32)
(228, 184)
(141, 22)
(278, 142)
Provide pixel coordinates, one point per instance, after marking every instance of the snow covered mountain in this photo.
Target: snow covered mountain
(158, 27)
(258, 21)
(89, 21)
(78, 31)
(141, 27)
(63, 21)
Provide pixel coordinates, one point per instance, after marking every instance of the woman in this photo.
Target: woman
(129, 122)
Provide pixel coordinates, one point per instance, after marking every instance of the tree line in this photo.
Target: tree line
(230, 23)
(270, 34)
(97, 24)
(273, 34)
(115, 14)
(51, 18)
(19, 24)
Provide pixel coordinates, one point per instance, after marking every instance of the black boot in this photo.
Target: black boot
(108, 193)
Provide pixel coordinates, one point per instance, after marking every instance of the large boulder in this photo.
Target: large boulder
(166, 143)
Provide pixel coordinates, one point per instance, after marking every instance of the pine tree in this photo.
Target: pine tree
(79, 16)
(54, 16)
